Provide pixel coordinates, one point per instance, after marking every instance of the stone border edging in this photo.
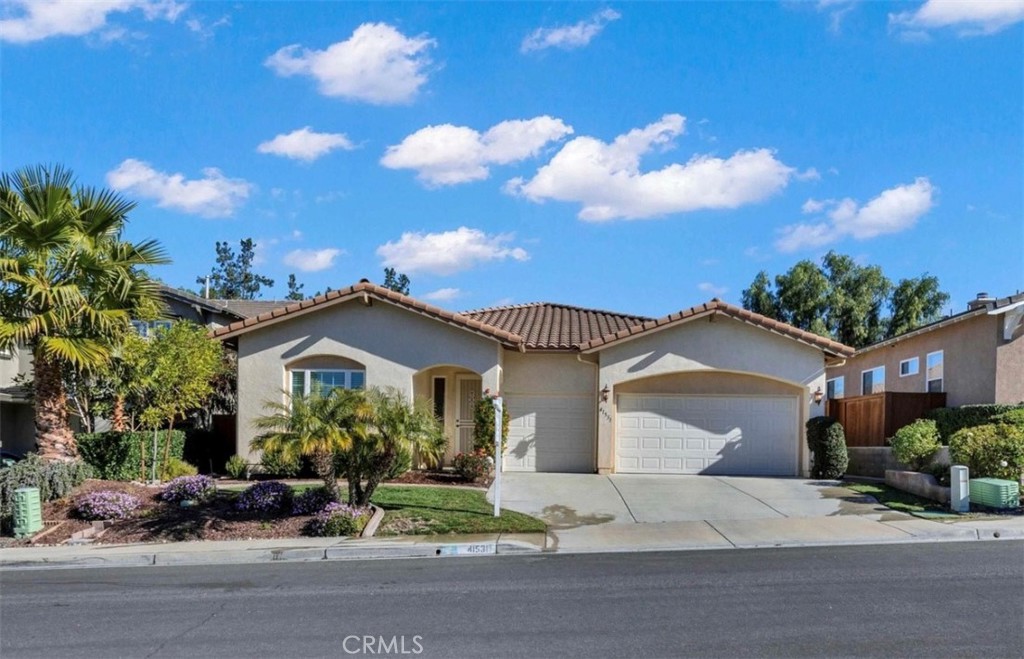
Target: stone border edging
(371, 527)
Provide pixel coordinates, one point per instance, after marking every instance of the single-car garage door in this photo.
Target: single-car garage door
(550, 433)
(735, 435)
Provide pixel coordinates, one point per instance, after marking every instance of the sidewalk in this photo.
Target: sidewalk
(611, 537)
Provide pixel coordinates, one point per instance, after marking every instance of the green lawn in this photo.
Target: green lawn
(897, 499)
(441, 510)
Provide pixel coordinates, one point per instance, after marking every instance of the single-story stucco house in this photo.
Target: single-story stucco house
(713, 389)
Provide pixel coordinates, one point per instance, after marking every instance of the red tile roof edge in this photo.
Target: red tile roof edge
(379, 292)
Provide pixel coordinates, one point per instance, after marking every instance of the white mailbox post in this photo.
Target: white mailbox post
(959, 489)
(498, 403)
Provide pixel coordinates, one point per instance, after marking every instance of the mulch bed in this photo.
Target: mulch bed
(434, 478)
(159, 521)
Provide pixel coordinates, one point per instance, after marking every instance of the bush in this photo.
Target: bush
(338, 519)
(236, 467)
(472, 466)
(177, 468)
(950, 420)
(189, 488)
(983, 449)
(401, 464)
(117, 456)
(827, 443)
(311, 500)
(106, 504)
(265, 498)
(1014, 417)
(914, 444)
(940, 471)
(273, 463)
(55, 480)
(483, 429)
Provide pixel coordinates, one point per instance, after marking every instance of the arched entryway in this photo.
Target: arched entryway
(453, 392)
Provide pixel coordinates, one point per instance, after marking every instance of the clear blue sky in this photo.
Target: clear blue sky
(635, 157)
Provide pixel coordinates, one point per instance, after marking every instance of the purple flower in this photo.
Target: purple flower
(106, 504)
(267, 497)
(311, 500)
(338, 519)
(189, 488)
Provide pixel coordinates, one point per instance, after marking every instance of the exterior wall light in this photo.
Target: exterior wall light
(604, 393)
(817, 396)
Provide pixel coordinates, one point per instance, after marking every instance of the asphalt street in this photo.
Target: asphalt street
(956, 599)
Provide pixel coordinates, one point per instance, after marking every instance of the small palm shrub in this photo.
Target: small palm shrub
(106, 504)
(268, 497)
(401, 464)
(827, 441)
(914, 444)
(278, 465)
(311, 501)
(990, 451)
(189, 488)
(236, 467)
(176, 468)
(472, 466)
(338, 519)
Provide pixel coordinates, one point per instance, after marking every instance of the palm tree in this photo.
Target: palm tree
(386, 424)
(69, 284)
(316, 426)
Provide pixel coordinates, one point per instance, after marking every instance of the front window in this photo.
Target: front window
(934, 372)
(909, 367)
(150, 328)
(872, 381)
(835, 388)
(322, 382)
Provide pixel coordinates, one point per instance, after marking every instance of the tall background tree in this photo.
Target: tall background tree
(233, 277)
(294, 289)
(69, 285)
(396, 281)
(854, 304)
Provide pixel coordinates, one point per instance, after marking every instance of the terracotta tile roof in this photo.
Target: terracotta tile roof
(717, 307)
(548, 326)
(370, 291)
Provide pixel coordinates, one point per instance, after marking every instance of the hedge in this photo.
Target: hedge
(117, 456)
(827, 441)
(951, 419)
(990, 451)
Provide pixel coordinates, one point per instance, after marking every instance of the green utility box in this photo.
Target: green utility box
(995, 492)
(28, 511)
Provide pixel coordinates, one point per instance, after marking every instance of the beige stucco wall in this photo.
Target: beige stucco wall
(969, 362)
(724, 356)
(1010, 366)
(549, 373)
(393, 344)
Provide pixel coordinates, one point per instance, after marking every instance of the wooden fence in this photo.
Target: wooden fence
(870, 420)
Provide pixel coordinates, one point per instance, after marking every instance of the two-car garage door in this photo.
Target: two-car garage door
(738, 435)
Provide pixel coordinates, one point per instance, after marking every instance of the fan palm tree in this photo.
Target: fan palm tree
(69, 284)
(386, 424)
(313, 426)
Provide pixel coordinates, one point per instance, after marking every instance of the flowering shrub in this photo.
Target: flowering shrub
(472, 466)
(106, 504)
(265, 497)
(189, 488)
(337, 519)
(310, 501)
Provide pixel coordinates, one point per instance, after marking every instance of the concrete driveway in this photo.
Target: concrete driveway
(571, 500)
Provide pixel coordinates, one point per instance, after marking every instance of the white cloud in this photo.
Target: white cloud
(27, 21)
(214, 195)
(894, 210)
(837, 11)
(969, 17)
(815, 206)
(377, 64)
(708, 287)
(448, 252)
(305, 144)
(312, 260)
(809, 174)
(448, 155)
(569, 37)
(607, 181)
(443, 295)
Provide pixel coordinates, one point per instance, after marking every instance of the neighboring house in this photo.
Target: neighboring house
(712, 389)
(17, 424)
(976, 356)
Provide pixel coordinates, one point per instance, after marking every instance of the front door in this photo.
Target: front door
(467, 394)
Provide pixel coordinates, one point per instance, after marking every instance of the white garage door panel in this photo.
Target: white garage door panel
(707, 435)
(550, 433)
